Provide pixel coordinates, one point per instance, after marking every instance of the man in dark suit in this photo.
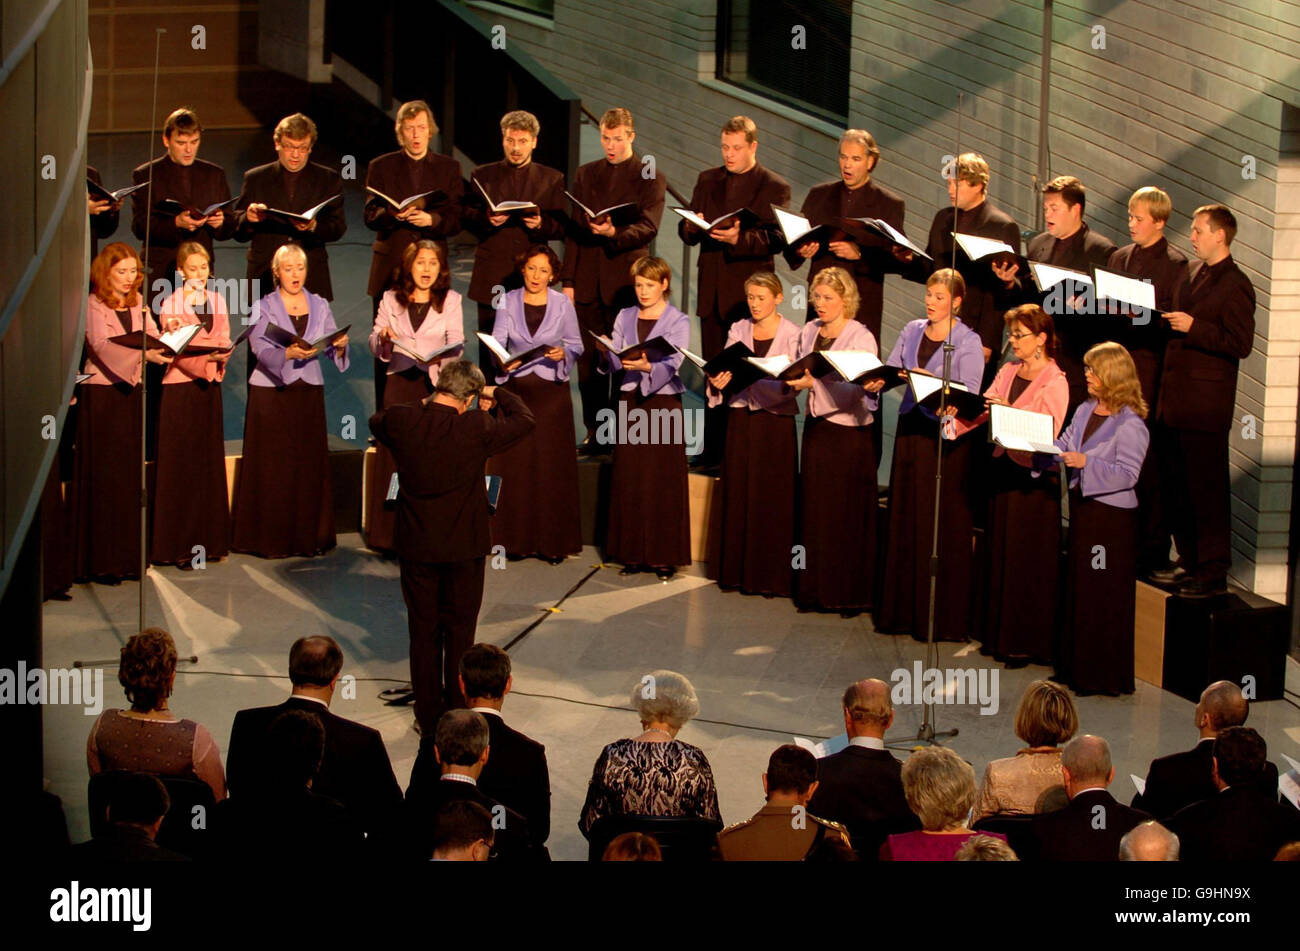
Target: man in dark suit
(861, 786)
(294, 184)
(104, 214)
(733, 251)
(1213, 326)
(1090, 828)
(1180, 779)
(503, 237)
(183, 177)
(442, 538)
(460, 746)
(598, 254)
(354, 769)
(1148, 842)
(1241, 822)
(136, 808)
(411, 170)
(462, 832)
(1068, 242)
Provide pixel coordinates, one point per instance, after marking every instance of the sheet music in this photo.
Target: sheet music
(1126, 290)
(851, 364)
(772, 366)
(977, 247)
(695, 358)
(1020, 429)
(793, 226)
(492, 344)
(1139, 784)
(1049, 275)
(824, 748)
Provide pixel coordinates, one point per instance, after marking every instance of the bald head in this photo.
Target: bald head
(868, 710)
(1086, 761)
(1221, 706)
(1149, 842)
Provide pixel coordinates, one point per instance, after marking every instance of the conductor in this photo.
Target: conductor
(441, 446)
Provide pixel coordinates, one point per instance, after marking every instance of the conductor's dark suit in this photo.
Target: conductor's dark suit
(1197, 394)
(195, 186)
(442, 530)
(1086, 830)
(270, 185)
(862, 789)
(1180, 779)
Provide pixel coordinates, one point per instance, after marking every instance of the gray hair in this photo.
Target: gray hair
(461, 736)
(862, 138)
(1087, 757)
(665, 696)
(1148, 842)
(460, 380)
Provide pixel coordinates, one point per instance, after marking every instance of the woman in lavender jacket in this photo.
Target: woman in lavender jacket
(904, 605)
(539, 510)
(760, 465)
(284, 502)
(649, 504)
(838, 482)
(1102, 449)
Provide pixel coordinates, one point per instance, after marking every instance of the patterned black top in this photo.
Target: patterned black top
(634, 778)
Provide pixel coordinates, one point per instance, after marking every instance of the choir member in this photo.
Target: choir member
(293, 184)
(410, 170)
(761, 461)
(284, 502)
(1213, 328)
(1068, 242)
(1102, 450)
(191, 505)
(733, 251)
(970, 213)
(1017, 587)
(838, 484)
(598, 253)
(904, 603)
(418, 317)
(104, 214)
(503, 237)
(539, 510)
(1151, 258)
(183, 177)
(106, 483)
(649, 508)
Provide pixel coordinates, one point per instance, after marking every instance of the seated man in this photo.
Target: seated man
(1148, 842)
(355, 769)
(861, 786)
(783, 830)
(462, 832)
(1090, 828)
(1241, 822)
(136, 807)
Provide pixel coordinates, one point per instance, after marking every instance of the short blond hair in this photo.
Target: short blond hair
(287, 250)
(742, 124)
(766, 279)
(972, 168)
(1157, 202)
(842, 283)
(951, 279)
(652, 268)
(409, 110)
(939, 787)
(296, 126)
(1045, 715)
(616, 117)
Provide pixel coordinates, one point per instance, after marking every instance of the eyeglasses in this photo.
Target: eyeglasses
(1022, 335)
(295, 149)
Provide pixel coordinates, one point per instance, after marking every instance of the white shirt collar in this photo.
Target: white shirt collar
(460, 778)
(1090, 789)
(492, 710)
(303, 696)
(870, 742)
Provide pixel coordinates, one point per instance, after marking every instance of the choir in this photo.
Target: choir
(796, 520)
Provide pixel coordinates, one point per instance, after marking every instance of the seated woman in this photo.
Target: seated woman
(1031, 781)
(284, 499)
(418, 317)
(1102, 449)
(940, 789)
(539, 511)
(761, 460)
(654, 774)
(148, 738)
(191, 504)
(649, 503)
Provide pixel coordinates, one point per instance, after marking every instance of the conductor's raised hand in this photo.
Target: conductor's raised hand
(487, 398)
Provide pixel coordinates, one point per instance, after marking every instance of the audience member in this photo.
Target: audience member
(861, 786)
(632, 847)
(136, 807)
(940, 789)
(1148, 842)
(1090, 828)
(462, 832)
(1288, 853)
(985, 848)
(1031, 781)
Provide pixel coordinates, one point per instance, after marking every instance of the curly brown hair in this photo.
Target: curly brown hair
(147, 667)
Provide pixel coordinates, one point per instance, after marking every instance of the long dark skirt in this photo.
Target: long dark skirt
(539, 512)
(191, 506)
(1095, 652)
(905, 597)
(381, 517)
(759, 479)
(1018, 568)
(649, 502)
(106, 484)
(837, 517)
(284, 501)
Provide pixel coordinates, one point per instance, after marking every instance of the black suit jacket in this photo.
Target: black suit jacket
(105, 223)
(1086, 830)
(206, 185)
(388, 173)
(723, 268)
(514, 840)
(274, 824)
(442, 508)
(1239, 824)
(122, 843)
(1180, 779)
(833, 200)
(494, 258)
(355, 769)
(863, 789)
(266, 184)
(516, 774)
(1164, 266)
(1200, 373)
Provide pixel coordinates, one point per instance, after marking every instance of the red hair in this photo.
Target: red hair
(101, 267)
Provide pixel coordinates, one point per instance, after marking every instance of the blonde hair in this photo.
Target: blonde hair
(842, 283)
(939, 787)
(1117, 378)
(188, 248)
(654, 269)
(409, 110)
(766, 279)
(1045, 715)
(284, 251)
(1157, 202)
(952, 280)
(972, 169)
(296, 126)
(616, 117)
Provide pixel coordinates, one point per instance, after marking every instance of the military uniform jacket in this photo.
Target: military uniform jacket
(775, 834)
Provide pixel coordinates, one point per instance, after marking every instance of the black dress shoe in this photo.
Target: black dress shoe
(665, 574)
(1202, 587)
(1174, 574)
(557, 560)
(631, 570)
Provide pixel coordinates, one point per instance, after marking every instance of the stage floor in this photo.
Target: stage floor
(764, 671)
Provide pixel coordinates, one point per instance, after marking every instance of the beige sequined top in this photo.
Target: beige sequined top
(1022, 785)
